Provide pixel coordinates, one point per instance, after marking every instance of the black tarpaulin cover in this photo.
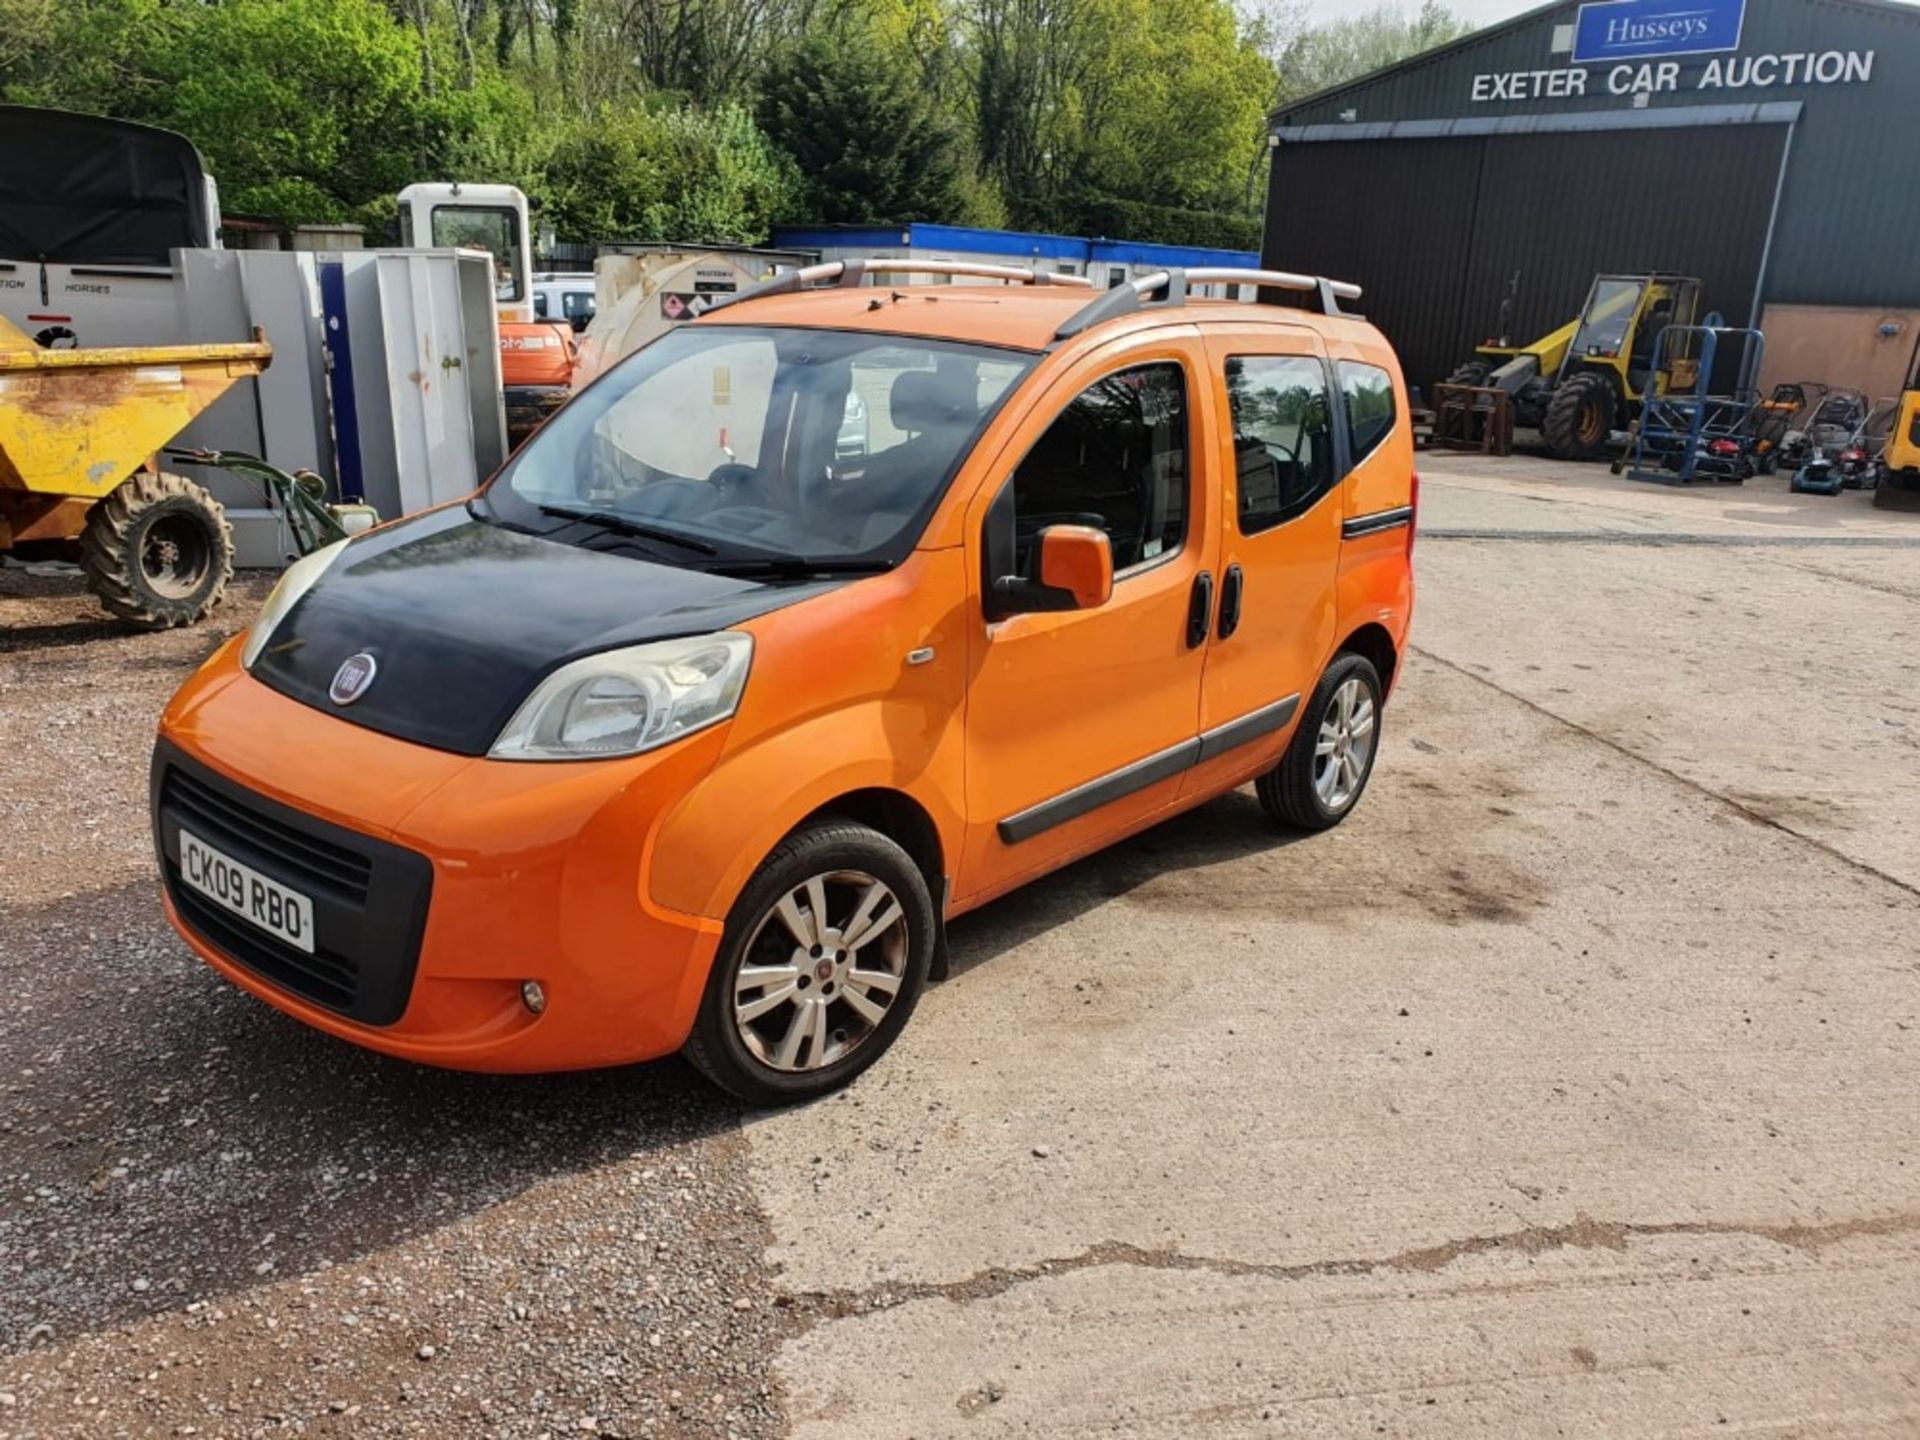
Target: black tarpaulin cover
(80, 190)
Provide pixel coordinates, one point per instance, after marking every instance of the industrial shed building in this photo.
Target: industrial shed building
(1767, 146)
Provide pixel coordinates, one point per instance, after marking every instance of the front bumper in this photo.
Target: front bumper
(440, 884)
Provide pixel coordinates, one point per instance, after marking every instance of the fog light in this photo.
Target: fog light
(532, 996)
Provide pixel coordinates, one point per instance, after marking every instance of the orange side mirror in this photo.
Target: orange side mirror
(1077, 559)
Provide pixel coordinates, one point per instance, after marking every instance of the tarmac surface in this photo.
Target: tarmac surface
(1567, 1089)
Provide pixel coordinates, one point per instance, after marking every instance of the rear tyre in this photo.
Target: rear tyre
(1330, 758)
(824, 957)
(158, 552)
(1579, 418)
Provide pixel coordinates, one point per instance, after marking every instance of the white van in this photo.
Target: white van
(564, 297)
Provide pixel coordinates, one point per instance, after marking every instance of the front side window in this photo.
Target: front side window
(1115, 459)
(1368, 393)
(492, 228)
(1282, 437)
(732, 443)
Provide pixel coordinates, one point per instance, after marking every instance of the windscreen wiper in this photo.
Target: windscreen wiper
(628, 525)
(798, 566)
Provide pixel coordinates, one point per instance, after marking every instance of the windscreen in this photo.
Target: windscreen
(494, 229)
(728, 443)
(1603, 329)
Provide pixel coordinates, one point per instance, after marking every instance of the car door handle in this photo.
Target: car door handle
(1232, 584)
(1200, 610)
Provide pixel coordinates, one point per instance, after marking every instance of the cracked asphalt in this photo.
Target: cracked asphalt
(1568, 1089)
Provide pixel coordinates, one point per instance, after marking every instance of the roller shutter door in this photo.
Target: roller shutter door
(1434, 229)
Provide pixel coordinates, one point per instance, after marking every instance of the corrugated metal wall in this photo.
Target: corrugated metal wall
(1434, 229)
(1846, 233)
(1395, 216)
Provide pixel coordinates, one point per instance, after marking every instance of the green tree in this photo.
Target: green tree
(84, 56)
(868, 141)
(1178, 121)
(681, 174)
(302, 107)
(637, 117)
(1078, 103)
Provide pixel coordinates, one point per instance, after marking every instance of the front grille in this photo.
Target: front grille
(333, 980)
(206, 809)
(369, 896)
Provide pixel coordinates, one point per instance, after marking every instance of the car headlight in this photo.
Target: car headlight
(625, 701)
(295, 581)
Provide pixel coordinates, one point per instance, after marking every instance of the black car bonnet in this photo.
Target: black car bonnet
(463, 619)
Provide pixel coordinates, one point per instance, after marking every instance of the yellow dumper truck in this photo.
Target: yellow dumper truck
(80, 439)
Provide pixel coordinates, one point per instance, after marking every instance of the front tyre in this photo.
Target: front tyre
(1330, 758)
(824, 957)
(1579, 418)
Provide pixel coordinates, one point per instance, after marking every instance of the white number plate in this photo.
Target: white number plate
(279, 911)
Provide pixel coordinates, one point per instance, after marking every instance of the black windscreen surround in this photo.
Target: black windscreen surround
(81, 190)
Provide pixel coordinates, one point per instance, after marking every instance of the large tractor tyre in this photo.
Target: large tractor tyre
(1579, 418)
(1470, 372)
(158, 552)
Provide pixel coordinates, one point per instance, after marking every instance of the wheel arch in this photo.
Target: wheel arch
(1375, 642)
(905, 821)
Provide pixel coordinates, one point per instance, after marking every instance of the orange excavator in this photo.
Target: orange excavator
(536, 356)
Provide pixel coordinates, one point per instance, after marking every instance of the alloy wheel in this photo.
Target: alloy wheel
(821, 971)
(1345, 745)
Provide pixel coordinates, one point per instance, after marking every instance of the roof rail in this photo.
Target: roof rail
(1171, 287)
(839, 274)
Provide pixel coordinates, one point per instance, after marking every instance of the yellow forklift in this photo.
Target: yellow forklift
(1578, 384)
(1899, 487)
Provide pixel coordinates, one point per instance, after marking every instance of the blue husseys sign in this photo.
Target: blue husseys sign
(1635, 29)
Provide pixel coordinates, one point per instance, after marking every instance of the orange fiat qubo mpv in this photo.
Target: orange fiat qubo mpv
(692, 729)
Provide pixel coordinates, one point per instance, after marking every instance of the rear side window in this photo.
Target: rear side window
(1368, 391)
(1282, 437)
(1115, 459)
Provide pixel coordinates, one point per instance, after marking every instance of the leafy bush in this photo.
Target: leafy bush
(681, 174)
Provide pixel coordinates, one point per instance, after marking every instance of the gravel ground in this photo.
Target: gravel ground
(214, 1221)
(1566, 1091)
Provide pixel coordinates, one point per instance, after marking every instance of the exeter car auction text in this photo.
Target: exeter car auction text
(1739, 72)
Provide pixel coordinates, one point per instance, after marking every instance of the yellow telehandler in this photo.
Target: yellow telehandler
(1579, 383)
